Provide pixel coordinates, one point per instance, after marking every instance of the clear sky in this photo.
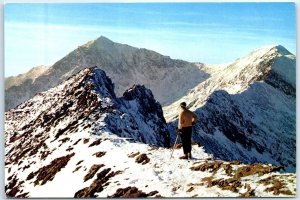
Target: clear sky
(41, 34)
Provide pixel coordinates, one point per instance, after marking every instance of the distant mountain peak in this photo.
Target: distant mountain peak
(282, 50)
(265, 50)
(125, 65)
(103, 39)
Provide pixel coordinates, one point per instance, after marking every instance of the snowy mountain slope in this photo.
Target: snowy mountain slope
(87, 98)
(247, 109)
(79, 140)
(125, 65)
(115, 167)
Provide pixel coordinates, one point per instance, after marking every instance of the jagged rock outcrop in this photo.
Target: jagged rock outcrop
(88, 97)
(139, 99)
(247, 109)
(125, 65)
(85, 103)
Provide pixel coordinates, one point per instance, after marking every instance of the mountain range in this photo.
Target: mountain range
(124, 64)
(102, 126)
(80, 137)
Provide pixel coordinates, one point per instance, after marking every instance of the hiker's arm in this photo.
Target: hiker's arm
(180, 121)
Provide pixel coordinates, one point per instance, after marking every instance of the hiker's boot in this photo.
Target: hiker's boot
(189, 155)
(184, 157)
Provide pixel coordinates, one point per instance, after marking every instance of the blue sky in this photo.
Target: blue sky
(41, 34)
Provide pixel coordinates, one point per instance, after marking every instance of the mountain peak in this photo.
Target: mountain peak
(103, 39)
(126, 65)
(269, 49)
(282, 50)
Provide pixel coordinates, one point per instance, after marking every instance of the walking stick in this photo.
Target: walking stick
(174, 146)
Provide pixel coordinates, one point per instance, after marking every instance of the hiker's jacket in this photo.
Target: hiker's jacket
(186, 118)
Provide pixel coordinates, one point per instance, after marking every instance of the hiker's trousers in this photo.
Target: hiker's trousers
(186, 139)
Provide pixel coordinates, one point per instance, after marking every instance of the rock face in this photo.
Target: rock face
(247, 109)
(126, 66)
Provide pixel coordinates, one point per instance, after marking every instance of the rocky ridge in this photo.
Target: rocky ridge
(246, 109)
(85, 100)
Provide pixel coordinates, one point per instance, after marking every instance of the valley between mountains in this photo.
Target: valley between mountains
(101, 122)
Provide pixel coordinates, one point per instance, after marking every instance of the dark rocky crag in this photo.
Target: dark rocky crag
(87, 99)
(86, 102)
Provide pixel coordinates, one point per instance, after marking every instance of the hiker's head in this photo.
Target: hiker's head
(183, 105)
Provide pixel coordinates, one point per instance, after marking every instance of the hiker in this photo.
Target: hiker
(185, 122)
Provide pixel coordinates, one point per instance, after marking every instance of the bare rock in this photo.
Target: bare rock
(93, 170)
(47, 173)
(143, 159)
(96, 142)
(98, 184)
(99, 154)
(131, 192)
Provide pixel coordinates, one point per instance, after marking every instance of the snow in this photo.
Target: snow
(245, 85)
(161, 173)
(238, 86)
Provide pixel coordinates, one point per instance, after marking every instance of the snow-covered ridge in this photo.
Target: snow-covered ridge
(247, 109)
(88, 97)
(236, 77)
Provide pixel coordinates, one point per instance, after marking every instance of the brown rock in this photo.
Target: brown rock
(86, 140)
(152, 193)
(143, 159)
(93, 170)
(47, 173)
(99, 154)
(77, 168)
(98, 184)
(131, 192)
(96, 142)
(76, 142)
(253, 169)
(79, 162)
(212, 167)
(190, 189)
(249, 193)
(64, 140)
